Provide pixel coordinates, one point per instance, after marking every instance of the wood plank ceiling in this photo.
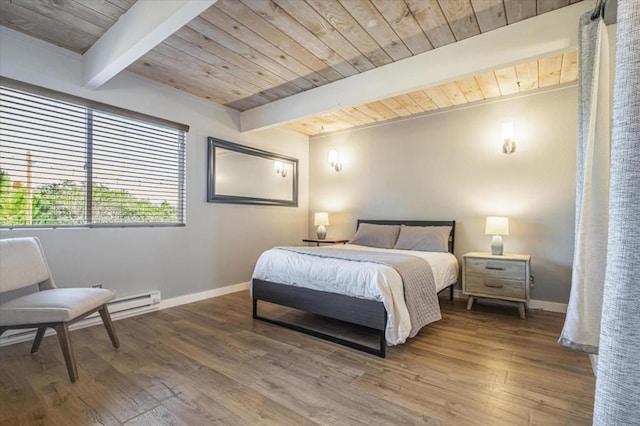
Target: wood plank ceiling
(72, 24)
(245, 53)
(519, 78)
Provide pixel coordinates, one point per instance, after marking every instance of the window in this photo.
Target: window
(69, 161)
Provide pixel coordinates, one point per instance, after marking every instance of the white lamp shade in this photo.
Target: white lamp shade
(497, 226)
(321, 219)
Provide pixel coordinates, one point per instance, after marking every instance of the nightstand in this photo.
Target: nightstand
(318, 242)
(505, 277)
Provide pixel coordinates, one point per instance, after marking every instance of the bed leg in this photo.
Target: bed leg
(383, 340)
(451, 292)
(255, 308)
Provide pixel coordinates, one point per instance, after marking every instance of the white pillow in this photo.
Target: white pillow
(381, 236)
(424, 238)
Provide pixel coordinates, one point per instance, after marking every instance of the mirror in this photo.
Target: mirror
(239, 174)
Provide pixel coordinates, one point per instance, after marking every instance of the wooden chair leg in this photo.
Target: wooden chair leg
(62, 330)
(38, 340)
(106, 319)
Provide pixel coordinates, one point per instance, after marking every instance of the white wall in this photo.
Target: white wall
(451, 166)
(219, 245)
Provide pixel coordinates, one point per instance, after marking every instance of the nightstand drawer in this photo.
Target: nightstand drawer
(492, 286)
(495, 268)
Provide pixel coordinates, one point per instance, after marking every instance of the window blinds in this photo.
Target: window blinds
(65, 164)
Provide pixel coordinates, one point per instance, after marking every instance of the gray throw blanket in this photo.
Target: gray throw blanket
(417, 277)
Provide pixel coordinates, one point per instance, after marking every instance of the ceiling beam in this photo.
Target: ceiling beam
(544, 35)
(145, 25)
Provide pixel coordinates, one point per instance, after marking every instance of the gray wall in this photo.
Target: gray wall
(220, 244)
(450, 166)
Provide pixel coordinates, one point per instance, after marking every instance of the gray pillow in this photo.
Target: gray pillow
(424, 238)
(381, 236)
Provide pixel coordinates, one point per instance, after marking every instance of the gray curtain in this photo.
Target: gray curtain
(617, 399)
(581, 329)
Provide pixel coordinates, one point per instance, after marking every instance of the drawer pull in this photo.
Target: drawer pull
(495, 268)
(493, 285)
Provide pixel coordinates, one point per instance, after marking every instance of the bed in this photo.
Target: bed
(290, 282)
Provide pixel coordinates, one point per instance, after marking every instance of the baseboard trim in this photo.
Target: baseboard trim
(542, 305)
(547, 306)
(164, 304)
(196, 297)
(594, 363)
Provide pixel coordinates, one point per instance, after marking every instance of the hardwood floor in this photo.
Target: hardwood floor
(210, 362)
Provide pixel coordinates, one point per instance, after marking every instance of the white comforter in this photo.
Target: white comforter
(363, 280)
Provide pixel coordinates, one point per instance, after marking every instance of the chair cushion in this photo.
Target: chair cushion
(22, 263)
(55, 305)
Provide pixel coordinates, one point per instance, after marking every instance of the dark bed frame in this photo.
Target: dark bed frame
(367, 313)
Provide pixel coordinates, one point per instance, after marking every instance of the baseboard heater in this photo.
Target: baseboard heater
(121, 307)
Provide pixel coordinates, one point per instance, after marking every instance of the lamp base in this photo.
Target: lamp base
(496, 245)
(321, 232)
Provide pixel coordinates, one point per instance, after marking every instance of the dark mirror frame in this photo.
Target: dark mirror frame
(212, 197)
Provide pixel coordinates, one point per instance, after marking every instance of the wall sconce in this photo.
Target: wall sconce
(321, 220)
(334, 161)
(279, 168)
(508, 146)
(497, 226)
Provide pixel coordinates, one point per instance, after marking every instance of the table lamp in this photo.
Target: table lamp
(321, 220)
(497, 226)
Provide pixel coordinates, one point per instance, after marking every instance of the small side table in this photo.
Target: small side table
(318, 242)
(506, 277)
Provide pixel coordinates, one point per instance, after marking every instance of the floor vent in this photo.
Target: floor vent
(121, 307)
